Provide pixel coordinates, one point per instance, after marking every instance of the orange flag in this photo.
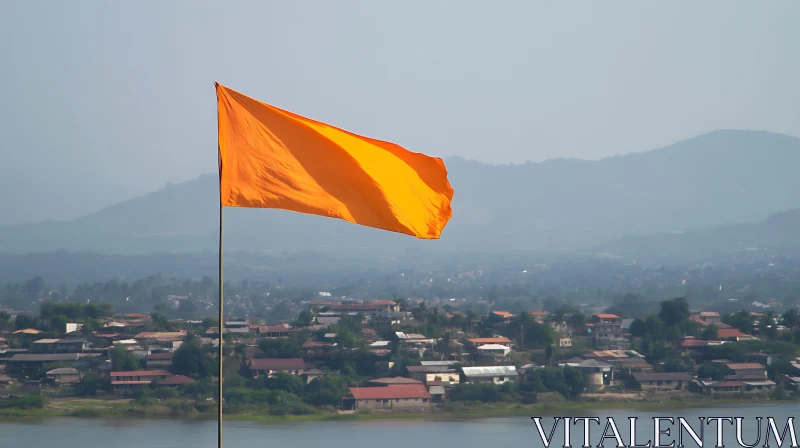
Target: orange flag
(271, 158)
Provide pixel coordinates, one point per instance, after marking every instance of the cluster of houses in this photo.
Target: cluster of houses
(76, 352)
(444, 362)
(609, 363)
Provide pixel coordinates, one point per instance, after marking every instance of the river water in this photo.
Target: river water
(510, 432)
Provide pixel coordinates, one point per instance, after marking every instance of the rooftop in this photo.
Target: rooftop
(664, 376)
(63, 371)
(500, 340)
(724, 384)
(489, 371)
(277, 364)
(430, 369)
(759, 383)
(281, 328)
(592, 363)
(492, 347)
(730, 333)
(141, 373)
(745, 366)
(175, 380)
(30, 357)
(438, 363)
(395, 380)
(27, 331)
(401, 391)
(162, 335)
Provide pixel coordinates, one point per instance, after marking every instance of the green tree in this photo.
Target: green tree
(647, 345)
(5, 321)
(768, 327)
(674, 311)
(713, 370)
(539, 335)
(345, 338)
(575, 381)
(742, 321)
(24, 321)
(710, 333)
(286, 382)
(305, 318)
(470, 319)
(791, 318)
(328, 390)
(91, 383)
(34, 288)
(194, 361)
(160, 322)
(638, 328)
(675, 364)
(122, 359)
(577, 321)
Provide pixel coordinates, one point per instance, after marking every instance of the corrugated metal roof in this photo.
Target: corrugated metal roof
(438, 363)
(485, 371)
(745, 366)
(500, 340)
(760, 383)
(589, 363)
(430, 369)
(29, 357)
(63, 371)
(493, 347)
(141, 373)
(395, 380)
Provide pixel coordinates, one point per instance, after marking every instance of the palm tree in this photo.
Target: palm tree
(444, 346)
(470, 320)
(522, 321)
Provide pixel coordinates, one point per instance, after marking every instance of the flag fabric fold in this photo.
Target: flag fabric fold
(272, 158)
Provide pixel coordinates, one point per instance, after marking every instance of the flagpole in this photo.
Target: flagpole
(221, 330)
(221, 296)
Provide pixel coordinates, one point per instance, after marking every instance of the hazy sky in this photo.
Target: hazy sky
(111, 99)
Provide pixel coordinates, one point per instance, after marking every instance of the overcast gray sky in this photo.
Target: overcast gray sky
(111, 99)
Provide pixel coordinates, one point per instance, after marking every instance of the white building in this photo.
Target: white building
(494, 350)
(490, 374)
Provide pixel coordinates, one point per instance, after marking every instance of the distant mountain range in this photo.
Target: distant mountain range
(778, 234)
(725, 180)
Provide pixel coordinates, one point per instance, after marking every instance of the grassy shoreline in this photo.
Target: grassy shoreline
(111, 409)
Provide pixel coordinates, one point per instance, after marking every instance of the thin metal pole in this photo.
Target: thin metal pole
(221, 330)
(221, 296)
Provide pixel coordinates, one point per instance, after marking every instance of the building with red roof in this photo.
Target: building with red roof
(505, 315)
(397, 397)
(176, 380)
(731, 335)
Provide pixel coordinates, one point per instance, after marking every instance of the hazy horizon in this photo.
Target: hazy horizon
(109, 101)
